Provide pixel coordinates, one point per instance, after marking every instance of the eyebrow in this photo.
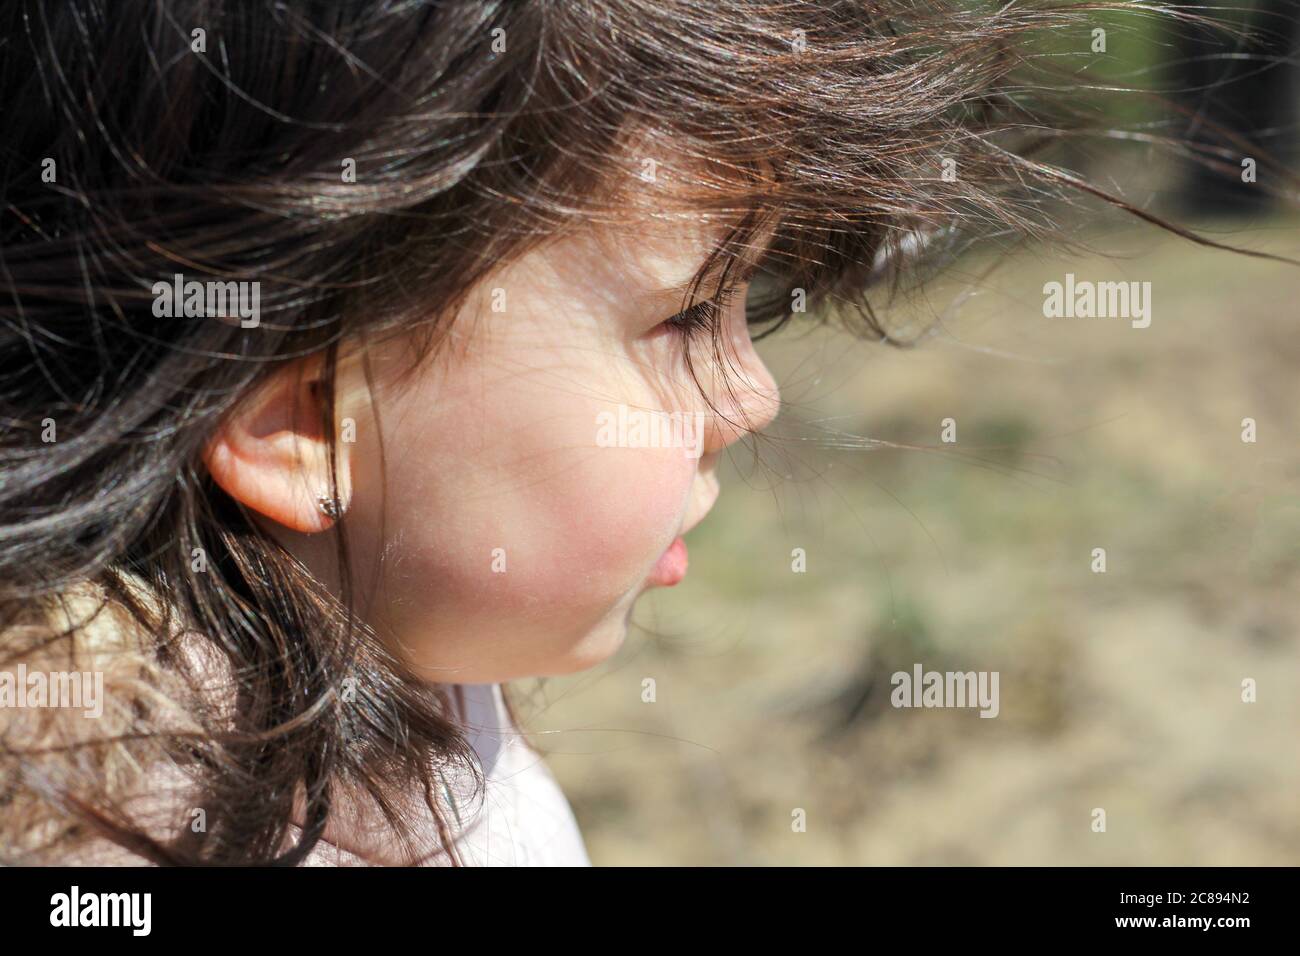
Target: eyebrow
(744, 266)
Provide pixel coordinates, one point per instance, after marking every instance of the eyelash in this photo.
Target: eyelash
(700, 317)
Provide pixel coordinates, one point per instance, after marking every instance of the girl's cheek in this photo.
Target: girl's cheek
(588, 536)
(532, 511)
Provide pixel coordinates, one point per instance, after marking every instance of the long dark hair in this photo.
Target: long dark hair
(144, 139)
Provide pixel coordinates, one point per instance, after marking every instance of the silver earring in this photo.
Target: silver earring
(329, 506)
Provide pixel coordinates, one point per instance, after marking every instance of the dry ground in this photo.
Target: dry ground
(1119, 691)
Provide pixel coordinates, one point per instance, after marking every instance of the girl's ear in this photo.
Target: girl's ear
(271, 452)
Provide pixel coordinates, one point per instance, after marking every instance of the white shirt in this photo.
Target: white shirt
(522, 818)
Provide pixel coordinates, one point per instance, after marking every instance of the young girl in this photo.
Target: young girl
(337, 343)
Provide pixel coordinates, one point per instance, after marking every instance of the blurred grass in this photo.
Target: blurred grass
(1118, 690)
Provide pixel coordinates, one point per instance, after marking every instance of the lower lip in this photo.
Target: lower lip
(671, 566)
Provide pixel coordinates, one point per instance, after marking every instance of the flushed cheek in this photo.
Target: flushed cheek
(546, 524)
(595, 515)
(626, 510)
(587, 536)
(542, 585)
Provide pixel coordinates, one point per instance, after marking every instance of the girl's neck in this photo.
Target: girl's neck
(358, 833)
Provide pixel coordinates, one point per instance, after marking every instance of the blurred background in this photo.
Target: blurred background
(1119, 690)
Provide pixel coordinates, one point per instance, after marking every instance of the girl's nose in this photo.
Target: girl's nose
(746, 399)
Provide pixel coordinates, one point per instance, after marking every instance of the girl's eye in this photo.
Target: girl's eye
(700, 317)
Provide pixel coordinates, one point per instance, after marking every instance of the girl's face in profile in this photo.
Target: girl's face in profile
(515, 540)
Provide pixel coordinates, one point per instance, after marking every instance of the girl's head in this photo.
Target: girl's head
(501, 523)
(499, 253)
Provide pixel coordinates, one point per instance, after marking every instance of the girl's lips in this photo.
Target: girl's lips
(671, 566)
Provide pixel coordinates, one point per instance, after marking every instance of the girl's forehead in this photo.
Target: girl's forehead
(650, 229)
(665, 252)
(668, 252)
